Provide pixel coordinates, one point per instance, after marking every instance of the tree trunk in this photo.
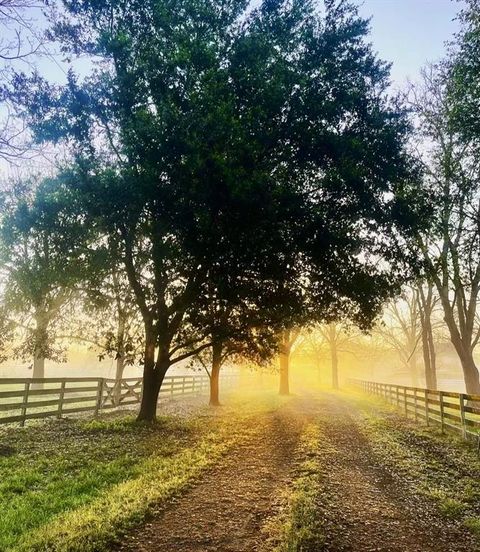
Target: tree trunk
(429, 359)
(153, 375)
(118, 378)
(470, 370)
(120, 353)
(464, 350)
(284, 376)
(332, 337)
(38, 368)
(471, 375)
(432, 377)
(215, 374)
(334, 354)
(284, 359)
(425, 308)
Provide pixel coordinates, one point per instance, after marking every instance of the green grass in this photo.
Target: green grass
(473, 524)
(443, 468)
(298, 529)
(61, 466)
(75, 486)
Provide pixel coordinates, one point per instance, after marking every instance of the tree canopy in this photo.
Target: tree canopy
(43, 257)
(464, 64)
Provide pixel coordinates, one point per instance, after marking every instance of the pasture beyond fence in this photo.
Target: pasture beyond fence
(24, 399)
(457, 412)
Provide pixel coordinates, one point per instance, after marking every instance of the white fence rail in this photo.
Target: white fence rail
(24, 399)
(457, 412)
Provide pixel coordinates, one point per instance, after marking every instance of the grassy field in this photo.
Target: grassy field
(77, 485)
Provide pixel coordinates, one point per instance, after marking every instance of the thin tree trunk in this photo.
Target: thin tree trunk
(425, 309)
(429, 360)
(432, 376)
(284, 360)
(334, 354)
(215, 374)
(284, 375)
(426, 358)
(120, 352)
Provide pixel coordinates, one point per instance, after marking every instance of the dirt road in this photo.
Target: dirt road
(365, 508)
(362, 507)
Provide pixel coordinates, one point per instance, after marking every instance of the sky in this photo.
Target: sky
(410, 33)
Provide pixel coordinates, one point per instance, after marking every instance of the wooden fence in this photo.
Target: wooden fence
(24, 399)
(457, 412)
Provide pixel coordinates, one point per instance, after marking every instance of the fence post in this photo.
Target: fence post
(426, 407)
(442, 420)
(60, 399)
(25, 402)
(98, 404)
(398, 396)
(405, 401)
(462, 415)
(415, 402)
